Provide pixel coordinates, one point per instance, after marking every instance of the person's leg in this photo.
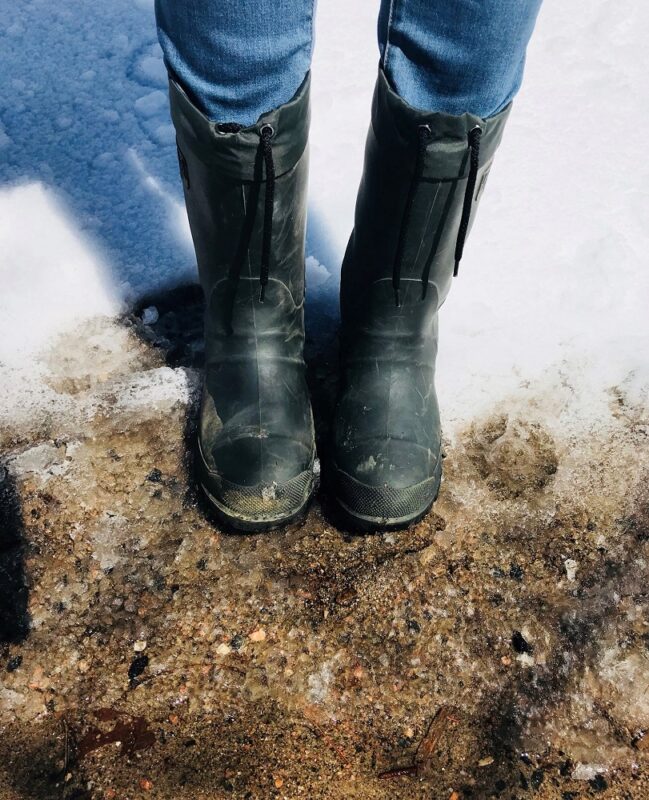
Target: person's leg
(456, 56)
(449, 70)
(239, 92)
(237, 59)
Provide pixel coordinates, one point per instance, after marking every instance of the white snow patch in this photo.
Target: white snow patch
(108, 539)
(176, 214)
(158, 389)
(571, 567)
(37, 459)
(626, 677)
(368, 465)
(151, 104)
(319, 682)
(51, 277)
(150, 315)
(316, 274)
(269, 492)
(10, 700)
(586, 772)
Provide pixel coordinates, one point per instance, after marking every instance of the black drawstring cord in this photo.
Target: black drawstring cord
(228, 127)
(424, 137)
(474, 145)
(265, 135)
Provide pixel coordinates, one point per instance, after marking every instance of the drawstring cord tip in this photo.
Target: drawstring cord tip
(456, 268)
(262, 292)
(397, 298)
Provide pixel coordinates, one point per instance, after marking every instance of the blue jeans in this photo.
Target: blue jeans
(238, 58)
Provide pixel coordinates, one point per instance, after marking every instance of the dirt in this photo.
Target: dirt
(496, 649)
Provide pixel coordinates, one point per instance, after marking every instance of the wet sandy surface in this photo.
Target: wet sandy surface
(497, 649)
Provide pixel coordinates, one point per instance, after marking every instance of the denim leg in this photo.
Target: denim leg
(456, 56)
(235, 58)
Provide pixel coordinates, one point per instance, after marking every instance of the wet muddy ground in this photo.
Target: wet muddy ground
(500, 648)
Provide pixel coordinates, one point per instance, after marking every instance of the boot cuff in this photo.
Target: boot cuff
(395, 127)
(236, 154)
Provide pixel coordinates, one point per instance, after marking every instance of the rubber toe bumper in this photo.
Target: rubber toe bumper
(384, 507)
(259, 507)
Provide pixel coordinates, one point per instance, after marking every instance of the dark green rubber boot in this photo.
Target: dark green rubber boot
(423, 176)
(246, 196)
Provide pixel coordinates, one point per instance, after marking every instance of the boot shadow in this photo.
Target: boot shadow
(14, 592)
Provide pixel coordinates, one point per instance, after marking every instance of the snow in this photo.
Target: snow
(554, 285)
(50, 272)
(586, 772)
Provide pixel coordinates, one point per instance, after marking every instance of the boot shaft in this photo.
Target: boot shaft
(245, 192)
(411, 203)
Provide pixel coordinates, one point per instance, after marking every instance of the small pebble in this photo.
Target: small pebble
(138, 665)
(536, 779)
(155, 476)
(258, 636)
(139, 646)
(14, 663)
(598, 783)
(571, 567)
(520, 643)
(486, 761)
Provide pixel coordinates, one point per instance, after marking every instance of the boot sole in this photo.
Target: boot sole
(367, 524)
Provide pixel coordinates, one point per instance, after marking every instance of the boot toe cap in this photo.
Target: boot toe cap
(254, 489)
(383, 484)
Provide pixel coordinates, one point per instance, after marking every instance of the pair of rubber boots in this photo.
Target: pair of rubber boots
(246, 195)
